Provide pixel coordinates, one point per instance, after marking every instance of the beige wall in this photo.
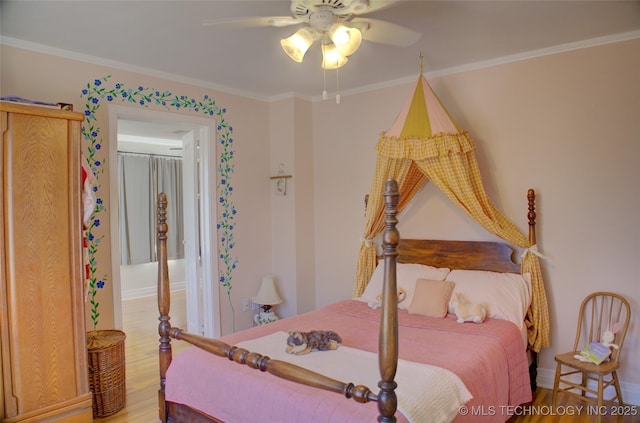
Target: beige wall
(39, 76)
(565, 124)
(292, 214)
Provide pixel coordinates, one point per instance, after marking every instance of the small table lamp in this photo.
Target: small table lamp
(267, 297)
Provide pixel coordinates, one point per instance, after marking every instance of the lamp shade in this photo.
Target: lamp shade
(331, 57)
(267, 294)
(347, 40)
(297, 45)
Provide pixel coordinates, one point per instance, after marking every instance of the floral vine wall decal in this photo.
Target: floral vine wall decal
(98, 91)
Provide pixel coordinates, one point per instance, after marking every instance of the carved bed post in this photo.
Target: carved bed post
(388, 338)
(164, 303)
(531, 199)
(531, 216)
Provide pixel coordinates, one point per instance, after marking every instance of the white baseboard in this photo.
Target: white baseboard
(630, 391)
(132, 294)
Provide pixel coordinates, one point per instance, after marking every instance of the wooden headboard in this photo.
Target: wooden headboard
(468, 255)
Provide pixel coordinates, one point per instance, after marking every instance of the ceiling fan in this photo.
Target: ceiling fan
(334, 24)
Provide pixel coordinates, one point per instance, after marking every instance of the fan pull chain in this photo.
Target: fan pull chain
(324, 80)
(337, 88)
(324, 84)
(337, 85)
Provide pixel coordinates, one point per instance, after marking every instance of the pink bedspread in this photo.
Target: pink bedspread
(489, 358)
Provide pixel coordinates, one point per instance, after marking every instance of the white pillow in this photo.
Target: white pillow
(506, 296)
(406, 276)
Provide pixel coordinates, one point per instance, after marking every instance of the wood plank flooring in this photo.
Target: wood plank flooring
(141, 327)
(140, 321)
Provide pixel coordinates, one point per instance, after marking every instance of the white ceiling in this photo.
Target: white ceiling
(151, 137)
(167, 38)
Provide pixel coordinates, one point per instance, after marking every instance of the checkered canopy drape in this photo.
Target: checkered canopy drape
(424, 144)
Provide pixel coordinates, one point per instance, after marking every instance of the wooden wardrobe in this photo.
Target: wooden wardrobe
(42, 321)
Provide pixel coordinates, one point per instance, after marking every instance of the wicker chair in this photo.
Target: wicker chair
(599, 312)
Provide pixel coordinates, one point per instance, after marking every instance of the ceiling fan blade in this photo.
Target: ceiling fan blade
(250, 22)
(384, 32)
(359, 7)
(375, 5)
(286, 21)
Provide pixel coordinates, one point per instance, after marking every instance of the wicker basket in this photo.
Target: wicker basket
(107, 371)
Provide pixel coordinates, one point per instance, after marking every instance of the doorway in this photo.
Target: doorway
(170, 134)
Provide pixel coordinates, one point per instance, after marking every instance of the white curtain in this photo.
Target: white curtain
(142, 177)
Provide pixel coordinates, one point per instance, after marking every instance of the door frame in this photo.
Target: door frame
(203, 299)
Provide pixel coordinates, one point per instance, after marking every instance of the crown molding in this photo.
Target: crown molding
(561, 48)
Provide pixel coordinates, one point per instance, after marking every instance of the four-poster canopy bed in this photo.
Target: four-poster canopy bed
(445, 355)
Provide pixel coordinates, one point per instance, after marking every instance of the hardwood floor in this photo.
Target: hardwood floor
(142, 373)
(141, 350)
(570, 410)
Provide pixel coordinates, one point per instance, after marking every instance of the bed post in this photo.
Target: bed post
(531, 216)
(164, 302)
(388, 338)
(531, 199)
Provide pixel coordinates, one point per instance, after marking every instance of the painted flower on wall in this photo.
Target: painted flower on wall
(95, 94)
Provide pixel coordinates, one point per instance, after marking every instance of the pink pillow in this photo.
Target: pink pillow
(431, 298)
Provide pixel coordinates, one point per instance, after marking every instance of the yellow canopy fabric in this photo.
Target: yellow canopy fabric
(424, 144)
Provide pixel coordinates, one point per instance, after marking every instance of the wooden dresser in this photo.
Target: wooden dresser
(42, 320)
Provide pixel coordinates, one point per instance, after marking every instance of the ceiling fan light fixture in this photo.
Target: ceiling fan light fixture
(347, 40)
(297, 45)
(332, 58)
